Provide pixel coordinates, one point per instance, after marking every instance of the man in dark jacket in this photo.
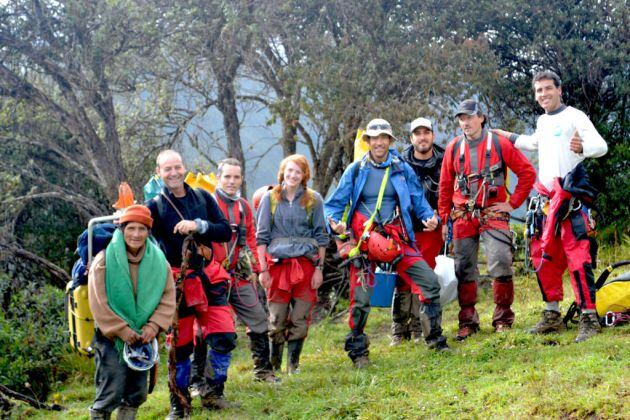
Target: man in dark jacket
(425, 158)
(177, 212)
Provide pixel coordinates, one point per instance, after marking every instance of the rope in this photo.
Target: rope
(354, 251)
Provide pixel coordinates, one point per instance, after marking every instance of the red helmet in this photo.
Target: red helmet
(382, 249)
(258, 195)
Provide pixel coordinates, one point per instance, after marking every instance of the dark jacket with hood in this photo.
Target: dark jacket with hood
(427, 171)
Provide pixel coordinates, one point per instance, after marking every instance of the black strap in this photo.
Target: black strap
(604, 276)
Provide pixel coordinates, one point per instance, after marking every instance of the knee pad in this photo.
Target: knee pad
(221, 342)
(182, 374)
(219, 362)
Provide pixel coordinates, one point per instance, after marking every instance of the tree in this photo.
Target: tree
(63, 68)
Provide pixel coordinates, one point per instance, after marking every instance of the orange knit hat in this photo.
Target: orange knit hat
(137, 213)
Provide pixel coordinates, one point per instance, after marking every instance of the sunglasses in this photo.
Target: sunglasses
(379, 127)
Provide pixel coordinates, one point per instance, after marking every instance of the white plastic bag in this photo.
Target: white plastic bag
(445, 270)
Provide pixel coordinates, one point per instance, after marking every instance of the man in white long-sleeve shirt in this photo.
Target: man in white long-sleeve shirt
(564, 137)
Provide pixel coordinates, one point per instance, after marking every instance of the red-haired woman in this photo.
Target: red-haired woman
(291, 242)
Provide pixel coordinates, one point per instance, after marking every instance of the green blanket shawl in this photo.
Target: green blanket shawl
(133, 308)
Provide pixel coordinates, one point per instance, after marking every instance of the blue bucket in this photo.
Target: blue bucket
(383, 292)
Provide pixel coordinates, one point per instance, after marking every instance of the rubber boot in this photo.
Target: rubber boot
(503, 290)
(431, 318)
(217, 367)
(212, 398)
(468, 317)
(400, 316)
(99, 414)
(357, 345)
(415, 325)
(259, 345)
(126, 412)
(182, 381)
(200, 353)
(178, 411)
(276, 355)
(294, 349)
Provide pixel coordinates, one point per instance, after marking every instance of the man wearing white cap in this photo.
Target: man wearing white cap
(425, 158)
(381, 192)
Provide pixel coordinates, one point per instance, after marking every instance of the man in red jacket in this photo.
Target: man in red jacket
(239, 258)
(473, 194)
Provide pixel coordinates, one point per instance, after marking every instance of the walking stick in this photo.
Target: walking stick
(179, 286)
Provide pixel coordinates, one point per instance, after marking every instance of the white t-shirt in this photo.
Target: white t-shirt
(552, 137)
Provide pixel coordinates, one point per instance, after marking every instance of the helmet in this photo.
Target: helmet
(141, 356)
(382, 249)
(259, 194)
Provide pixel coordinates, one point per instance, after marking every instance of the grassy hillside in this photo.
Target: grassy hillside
(513, 374)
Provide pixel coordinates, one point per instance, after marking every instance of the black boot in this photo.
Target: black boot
(212, 398)
(276, 355)
(178, 411)
(294, 349)
(200, 355)
(259, 345)
(431, 318)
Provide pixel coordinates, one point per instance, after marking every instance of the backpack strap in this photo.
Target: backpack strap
(309, 207)
(355, 175)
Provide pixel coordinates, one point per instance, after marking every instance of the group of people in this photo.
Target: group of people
(388, 208)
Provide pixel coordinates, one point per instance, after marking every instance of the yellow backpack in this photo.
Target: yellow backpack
(613, 295)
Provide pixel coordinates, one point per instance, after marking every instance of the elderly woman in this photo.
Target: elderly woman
(132, 297)
(291, 242)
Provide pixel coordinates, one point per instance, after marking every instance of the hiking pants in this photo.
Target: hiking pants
(116, 384)
(245, 301)
(572, 249)
(214, 317)
(498, 250)
(406, 305)
(411, 269)
(291, 299)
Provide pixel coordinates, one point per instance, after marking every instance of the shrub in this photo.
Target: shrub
(32, 339)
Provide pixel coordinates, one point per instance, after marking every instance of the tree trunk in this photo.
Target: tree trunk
(227, 105)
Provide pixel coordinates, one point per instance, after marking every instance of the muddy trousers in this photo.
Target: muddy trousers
(423, 283)
(412, 270)
(406, 305)
(116, 384)
(497, 244)
(572, 249)
(217, 329)
(249, 308)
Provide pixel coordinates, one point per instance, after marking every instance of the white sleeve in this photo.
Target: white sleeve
(527, 142)
(592, 142)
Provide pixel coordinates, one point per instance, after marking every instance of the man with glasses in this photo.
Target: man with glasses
(381, 192)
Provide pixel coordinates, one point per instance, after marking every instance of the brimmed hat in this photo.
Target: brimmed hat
(378, 126)
(420, 122)
(137, 213)
(468, 107)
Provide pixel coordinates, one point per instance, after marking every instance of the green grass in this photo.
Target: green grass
(494, 375)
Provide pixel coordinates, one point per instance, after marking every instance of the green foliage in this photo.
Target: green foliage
(32, 339)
